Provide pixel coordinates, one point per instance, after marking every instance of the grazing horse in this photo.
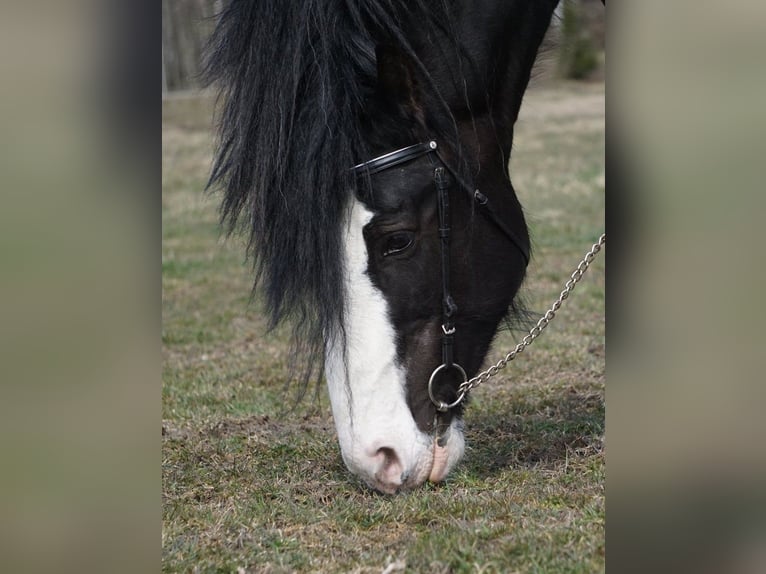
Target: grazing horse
(364, 147)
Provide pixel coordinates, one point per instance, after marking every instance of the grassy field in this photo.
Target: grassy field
(248, 490)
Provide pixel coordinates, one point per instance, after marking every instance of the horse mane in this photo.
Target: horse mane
(293, 78)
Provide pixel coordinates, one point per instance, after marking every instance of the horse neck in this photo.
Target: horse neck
(483, 60)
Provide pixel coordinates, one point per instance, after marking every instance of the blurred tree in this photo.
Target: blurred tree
(578, 56)
(185, 28)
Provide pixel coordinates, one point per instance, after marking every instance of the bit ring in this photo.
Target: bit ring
(441, 406)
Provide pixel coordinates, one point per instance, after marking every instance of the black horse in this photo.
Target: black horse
(359, 140)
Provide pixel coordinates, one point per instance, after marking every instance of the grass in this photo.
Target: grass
(248, 490)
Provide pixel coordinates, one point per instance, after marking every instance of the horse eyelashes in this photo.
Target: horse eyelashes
(398, 242)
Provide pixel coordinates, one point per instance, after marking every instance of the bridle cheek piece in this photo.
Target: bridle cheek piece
(443, 177)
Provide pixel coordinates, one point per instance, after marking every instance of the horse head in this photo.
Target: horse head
(336, 162)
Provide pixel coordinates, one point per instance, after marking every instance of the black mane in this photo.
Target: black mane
(293, 79)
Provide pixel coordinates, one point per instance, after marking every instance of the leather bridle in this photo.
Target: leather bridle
(443, 175)
(442, 183)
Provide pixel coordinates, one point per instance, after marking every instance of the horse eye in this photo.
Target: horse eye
(398, 242)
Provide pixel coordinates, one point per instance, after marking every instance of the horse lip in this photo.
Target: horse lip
(447, 449)
(439, 462)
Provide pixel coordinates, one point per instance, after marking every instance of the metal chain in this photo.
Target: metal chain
(535, 331)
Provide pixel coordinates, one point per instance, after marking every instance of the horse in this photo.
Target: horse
(363, 148)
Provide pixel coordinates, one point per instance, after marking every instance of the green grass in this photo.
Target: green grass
(245, 488)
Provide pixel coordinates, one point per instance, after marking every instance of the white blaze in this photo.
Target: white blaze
(378, 436)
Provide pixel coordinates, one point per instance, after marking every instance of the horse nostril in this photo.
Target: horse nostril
(388, 455)
(391, 471)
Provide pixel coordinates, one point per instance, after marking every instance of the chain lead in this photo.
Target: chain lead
(535, 331)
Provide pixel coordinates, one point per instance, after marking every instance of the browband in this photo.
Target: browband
(394, 158)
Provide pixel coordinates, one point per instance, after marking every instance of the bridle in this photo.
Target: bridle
(442, 183)
(443, 175)
(441, 178)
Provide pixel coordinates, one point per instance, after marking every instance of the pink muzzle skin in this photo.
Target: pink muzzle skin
(439, 467)
(440, 464)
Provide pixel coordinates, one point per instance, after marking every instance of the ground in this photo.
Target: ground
(251, 486)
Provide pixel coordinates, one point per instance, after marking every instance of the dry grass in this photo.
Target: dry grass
(247, 490)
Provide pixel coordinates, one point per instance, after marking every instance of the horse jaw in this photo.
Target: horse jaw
(378, 436)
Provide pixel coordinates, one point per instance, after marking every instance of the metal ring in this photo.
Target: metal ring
(441, 406)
